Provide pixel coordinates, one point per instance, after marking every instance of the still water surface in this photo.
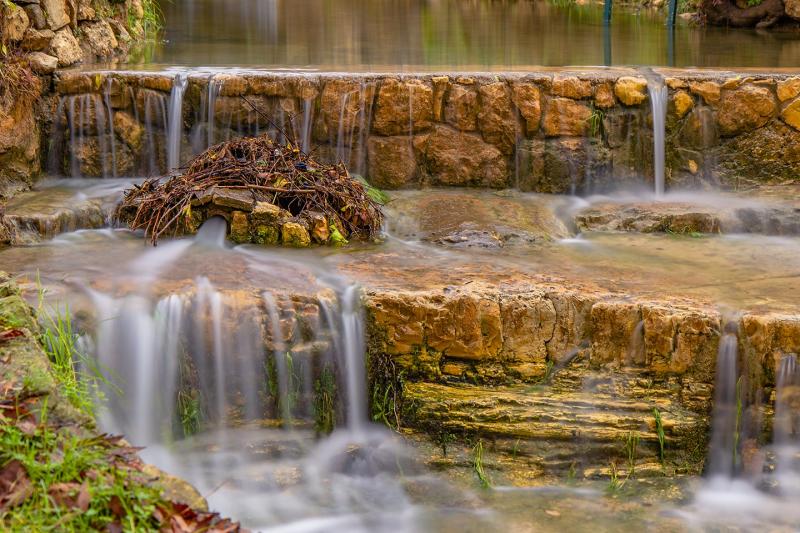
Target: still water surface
(352, 35)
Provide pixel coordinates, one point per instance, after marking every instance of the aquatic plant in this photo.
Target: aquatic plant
(631, 443)
(325, 401)
(189, 412)
(477, 464)
(659, 434)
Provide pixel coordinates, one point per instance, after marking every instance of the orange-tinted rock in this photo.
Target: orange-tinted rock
(527, 98)
(461, 108)
(496, 118)
(391, 162)
(745, 109)
(563, 116)
(403, 106)
(456, 158)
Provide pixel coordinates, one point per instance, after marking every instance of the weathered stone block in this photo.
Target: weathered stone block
(391, 162)
(403, 107)
(563, 116)
(745, 109)
(455, 158)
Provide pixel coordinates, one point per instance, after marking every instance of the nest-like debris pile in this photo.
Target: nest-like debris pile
(257, 167)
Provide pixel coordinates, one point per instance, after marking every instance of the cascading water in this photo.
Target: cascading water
(212, 93)
(227, 389)
(726, 417)
(659, 93)
(786, 426)
(175, 121)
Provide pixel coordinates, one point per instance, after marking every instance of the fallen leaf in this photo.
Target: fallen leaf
(15, 486)
(70, 495)
(551, 512)
(10, 334)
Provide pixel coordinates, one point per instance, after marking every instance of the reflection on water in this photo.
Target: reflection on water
(448, 34)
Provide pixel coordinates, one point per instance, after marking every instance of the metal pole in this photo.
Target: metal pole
(673, 13)
(607, 32)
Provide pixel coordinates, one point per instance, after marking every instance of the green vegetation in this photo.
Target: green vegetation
(596, 121)
(189, 412)
(477, 464)
(81, 387)
(63, 482)
(631, 443)
(324, 401)
(616, 484)
(660, 434)
(152, 21)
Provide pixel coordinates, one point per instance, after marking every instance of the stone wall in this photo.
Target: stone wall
(40, 36)
(61, 33)
(554, 131)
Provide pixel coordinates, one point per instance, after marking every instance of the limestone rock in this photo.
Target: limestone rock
(529, 320)
(708, 90)
(745, 109)
(342, 105)
(700, 129)
(240, 227)
(42, 63)
(85, 10)
(403, 107)
(93, 163)
(564, 116)
(496, 118)
(57, 13)
(792, 8)
(295, 235)
(238, 199)
(682, 103)
(100, 38)
(789, 88)
(440, 86)
(269, 214)
(613, 327)
(604, 96)
(318, 224)
(36, 16)
(527, 98)
(461, 108)
(463, 324)
(37, 40)
(66, 48)
(631, 91)
(390, 162)
(791, 114)
(128, 129)
(456, 158)
(16, 23)
(571, 87)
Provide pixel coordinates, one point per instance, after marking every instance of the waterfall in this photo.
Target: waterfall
(726, 420)
(175, 121)
(658, 101)
(212, 92)
(110, 111)
(305, 132)
(786, 432)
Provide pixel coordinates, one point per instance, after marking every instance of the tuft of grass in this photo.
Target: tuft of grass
(375, 193)
(660, 434)
(57, 462)
(631, 443)
(152, 21)
(76, 372)
(596, 121)
(189, 412)
(324, 401)
(477, 464)
(616, 484)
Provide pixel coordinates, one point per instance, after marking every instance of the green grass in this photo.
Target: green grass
(152, 21)
(477, 464)
(49, 458)
(60, 344)
(660, 434)
(596, 122)
(631, 443)
(190, 412)
(324, 401)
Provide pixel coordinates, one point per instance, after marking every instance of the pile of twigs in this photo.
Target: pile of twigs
(280, 174)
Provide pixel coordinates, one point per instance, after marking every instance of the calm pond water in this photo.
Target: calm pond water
(353, 35)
